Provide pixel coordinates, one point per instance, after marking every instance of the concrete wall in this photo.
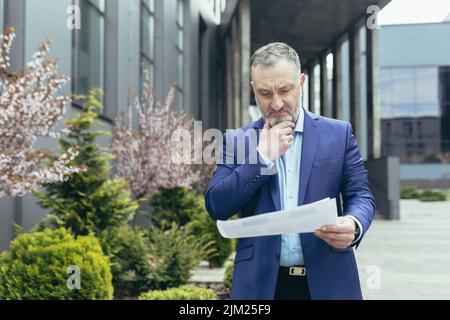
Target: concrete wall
(415, 45)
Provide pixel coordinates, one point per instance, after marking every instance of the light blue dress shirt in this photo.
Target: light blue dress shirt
(288, 166)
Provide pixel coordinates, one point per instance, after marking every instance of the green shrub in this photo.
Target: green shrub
(430, 195)
(173, 254)
(88, 201)
(174, 205)
(186, 208)
(181, 293)
(409, 193)
(228, 278)
(36, 267)
(128, 254)
(204, 226)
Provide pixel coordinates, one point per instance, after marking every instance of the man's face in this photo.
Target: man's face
(277, 91)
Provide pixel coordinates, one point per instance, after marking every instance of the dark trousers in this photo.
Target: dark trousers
(290, 287)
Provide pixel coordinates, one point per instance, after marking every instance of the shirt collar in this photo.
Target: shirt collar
(300, 121)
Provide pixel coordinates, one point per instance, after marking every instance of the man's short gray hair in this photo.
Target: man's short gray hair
(274, 52)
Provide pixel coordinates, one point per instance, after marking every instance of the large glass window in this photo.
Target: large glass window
(89, 47)
(148, 40)
(180, 52)
(413, 113)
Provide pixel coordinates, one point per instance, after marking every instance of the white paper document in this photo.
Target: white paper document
(303, 219)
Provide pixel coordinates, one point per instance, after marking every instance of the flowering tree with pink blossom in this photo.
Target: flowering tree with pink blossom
(30, 107)
(144, 156)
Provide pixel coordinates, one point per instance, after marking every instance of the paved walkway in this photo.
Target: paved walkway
(412, 256)
(204, 274)
(406, 259)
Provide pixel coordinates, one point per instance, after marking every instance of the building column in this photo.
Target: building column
(15, 17)
(373, 95)
(311, 88)
(229, 84)
(236, 54)
(337, 82)
(245, 24)
(324, 99)
(355, 82)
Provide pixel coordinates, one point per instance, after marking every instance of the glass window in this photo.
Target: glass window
(414, 116)
(148, 40)
(407, 130)
(426, 93)
(89, 47)
(402, 94)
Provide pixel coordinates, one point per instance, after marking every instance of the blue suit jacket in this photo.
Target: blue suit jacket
(331, 165)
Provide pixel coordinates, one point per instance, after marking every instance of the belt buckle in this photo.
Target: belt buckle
(297, 271)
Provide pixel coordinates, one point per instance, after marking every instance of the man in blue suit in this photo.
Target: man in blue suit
(313, 158)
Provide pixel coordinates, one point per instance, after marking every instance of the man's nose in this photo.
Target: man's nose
(276, 104)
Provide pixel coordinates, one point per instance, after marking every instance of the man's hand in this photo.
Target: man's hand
(340, 235)
(274, 142)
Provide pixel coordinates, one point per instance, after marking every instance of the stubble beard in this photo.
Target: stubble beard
(292, 117)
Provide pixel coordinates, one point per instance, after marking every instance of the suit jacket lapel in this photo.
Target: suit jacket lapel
(310, 138)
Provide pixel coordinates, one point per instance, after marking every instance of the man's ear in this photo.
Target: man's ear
(302, 79)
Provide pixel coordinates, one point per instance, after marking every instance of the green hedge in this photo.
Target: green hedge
(173, 254)
(429, 196)
(409, 193)
(423, 195)
(188, 209)
(36, 267)
(181, 293)
(205, 227)
(174, 205)
(128, 253)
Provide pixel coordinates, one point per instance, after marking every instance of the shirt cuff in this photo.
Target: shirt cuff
(360, 228)
(265, 160)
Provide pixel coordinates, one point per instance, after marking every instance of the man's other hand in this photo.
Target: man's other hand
(340, 235)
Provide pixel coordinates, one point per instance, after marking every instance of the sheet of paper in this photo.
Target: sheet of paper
(303, 219)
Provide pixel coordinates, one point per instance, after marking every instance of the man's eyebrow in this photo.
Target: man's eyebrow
(286, 86)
